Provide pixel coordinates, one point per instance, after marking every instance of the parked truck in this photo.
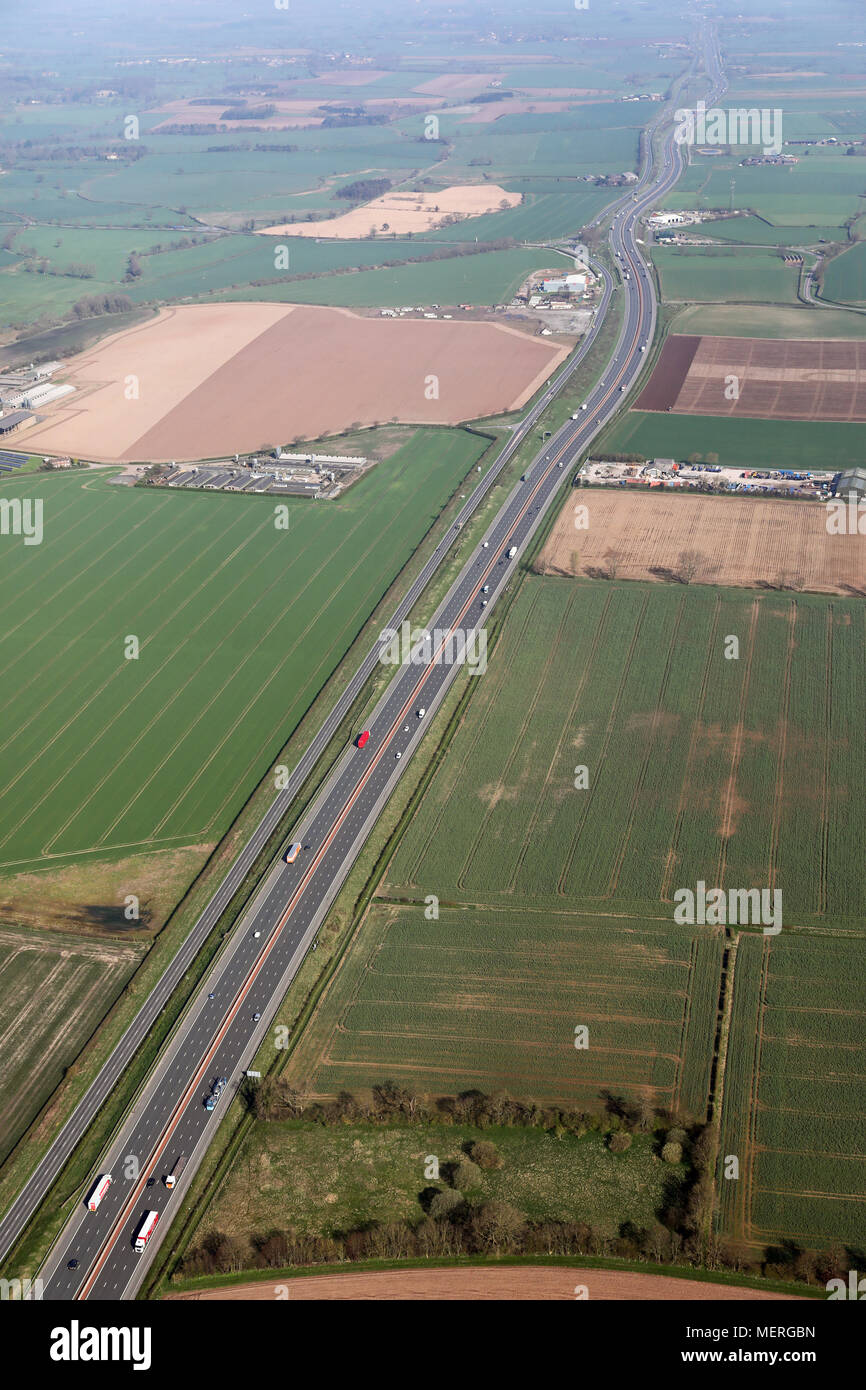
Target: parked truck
(172, 1177)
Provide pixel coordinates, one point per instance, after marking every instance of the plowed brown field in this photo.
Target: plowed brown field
(511, 1283)
(206, 381)
(748, 542)
(765, 378)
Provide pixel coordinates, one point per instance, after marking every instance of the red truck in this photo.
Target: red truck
(363, 739)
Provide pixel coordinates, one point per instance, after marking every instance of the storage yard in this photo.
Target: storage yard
(745, 542)
(204, 382)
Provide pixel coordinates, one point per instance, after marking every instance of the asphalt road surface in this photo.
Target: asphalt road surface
(219, 1036)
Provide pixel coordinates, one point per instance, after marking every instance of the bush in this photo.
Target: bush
(619, 1142)
(445, 1203)
(676, 1136)
(672, 1153)
(465, 1175)
(485, 1154)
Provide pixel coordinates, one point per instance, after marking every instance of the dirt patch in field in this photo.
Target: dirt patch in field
(401, 212)
(764, 378)
(749, 542)
(513, 106)
(212, 380)
(459, 84)
(512, 1284)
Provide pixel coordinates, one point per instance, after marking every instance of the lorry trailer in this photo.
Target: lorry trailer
(103, 1183)
(146, 1230)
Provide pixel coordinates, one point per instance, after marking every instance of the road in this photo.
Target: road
(220, 1035)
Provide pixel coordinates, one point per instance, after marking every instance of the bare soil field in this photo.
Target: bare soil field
(511, 1283)
(401, 212)
(203, 381)
(745, 542)
(513, 106)
(823, 379)
(459, 84)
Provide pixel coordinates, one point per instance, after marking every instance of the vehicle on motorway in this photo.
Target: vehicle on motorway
(485, 545)
(103, 1183)
(293, 852)
(146, 1230)
(71, 1264)
(398, 755)
(210, 996)
(421, 713)
(151, 1182)
(623, 387)
(512, 552)
(256, 1018)
(485, 588)
(405, 728)
(484, 603)
(172, 1177)
(362, 740)
(216, 1091)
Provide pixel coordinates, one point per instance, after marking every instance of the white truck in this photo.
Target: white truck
(512, 552)
(103, 1183)
(172, 1177)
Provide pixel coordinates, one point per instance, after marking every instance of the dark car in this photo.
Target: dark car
(71, 1264)
(151, 1182)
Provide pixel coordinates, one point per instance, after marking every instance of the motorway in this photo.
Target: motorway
(220, 1035)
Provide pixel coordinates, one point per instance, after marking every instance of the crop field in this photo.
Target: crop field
(724, 274)
(845, 276)
(743, 772)
(750, 542)
(53, 987)
(821, 379)
(212, 380)
(738, 442)
(491, 999)
(826, 189)
(768, 321)
(239, 625)
(794, 1093)
(754, 231)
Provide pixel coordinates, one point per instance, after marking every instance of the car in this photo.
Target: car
(71, 1264)
(210, 996)
(363, 739)
(256, 934)
(398, 754)
(484, 603)
(421, 713)
(405, 728)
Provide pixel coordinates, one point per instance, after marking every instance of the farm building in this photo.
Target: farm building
(14, 420)
(850, 483)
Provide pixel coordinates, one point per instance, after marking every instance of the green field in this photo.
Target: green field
(490, 998)
(753, 231)
(630, 680)
(845, 276)
(768, 321)
(724, 274)
(491, 277)
(793, 1107)
(239, 626)
(739, 443)
(313, 1180)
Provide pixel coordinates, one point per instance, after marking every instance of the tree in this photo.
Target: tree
(688, 564)
(619, 1142)
(672, 1153)
(496, 1224)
